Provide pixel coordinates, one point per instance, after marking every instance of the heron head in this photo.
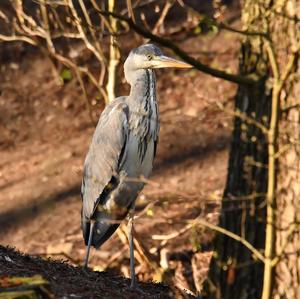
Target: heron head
(150, 56)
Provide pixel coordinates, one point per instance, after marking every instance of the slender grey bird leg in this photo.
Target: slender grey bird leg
(131, 246)
(88, 247)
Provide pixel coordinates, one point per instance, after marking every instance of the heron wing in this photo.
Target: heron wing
(105, 154)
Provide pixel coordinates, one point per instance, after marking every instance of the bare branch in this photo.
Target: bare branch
(162, 17)
(18, 38)
(239, 79)
(279, 255)
(216, 228)
(130, 10)
(81, 31)
(244, 117)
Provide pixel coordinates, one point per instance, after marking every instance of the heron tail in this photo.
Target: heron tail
(100, 231)
(103, 231)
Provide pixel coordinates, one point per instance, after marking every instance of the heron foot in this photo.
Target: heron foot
(133, 284)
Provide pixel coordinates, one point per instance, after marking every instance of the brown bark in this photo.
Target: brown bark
(287, 271)
(287, 276)
(261, 201)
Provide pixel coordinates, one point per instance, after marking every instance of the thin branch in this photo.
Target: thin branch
(290, 65)
(273, 59)
(130, 10)
(216, 228)
(239, 79)
(97, 45)
(221, 25)
(162, 17)
(290, 232)
(106, 22)
(242, 32)
(16, 38)
(80, 29)
(243, 116)
(91, 29)
(3, 16)
(174, 234)
(289, 108)
(234, 236)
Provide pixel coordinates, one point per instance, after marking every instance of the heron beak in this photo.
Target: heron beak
(165, 61)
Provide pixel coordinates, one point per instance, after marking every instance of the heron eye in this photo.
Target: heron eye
(149, 57)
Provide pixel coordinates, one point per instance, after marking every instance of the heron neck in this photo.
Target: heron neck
(143, 119)
(143, 87)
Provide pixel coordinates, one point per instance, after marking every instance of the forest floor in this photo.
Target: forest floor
(45, 134)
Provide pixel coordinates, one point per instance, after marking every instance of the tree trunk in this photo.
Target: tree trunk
(261, 201)
(287, 271)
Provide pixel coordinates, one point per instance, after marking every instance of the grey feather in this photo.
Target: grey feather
(103, 160)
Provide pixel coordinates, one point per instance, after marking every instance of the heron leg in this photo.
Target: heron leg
(131, 247)
(88, 247)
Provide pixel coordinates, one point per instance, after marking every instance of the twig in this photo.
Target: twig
(162, 17)
(219, 229)
(291, 63)
(116, 256)
(221, 25)
(243, 116)
(97, 46)
(239, 79)
(14, 38)
(130, 10)
(273, 59)
(3, 16)
(82, 32)
(174, 234)
(280, 252)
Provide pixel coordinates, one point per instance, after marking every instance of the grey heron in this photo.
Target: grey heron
(122, 151)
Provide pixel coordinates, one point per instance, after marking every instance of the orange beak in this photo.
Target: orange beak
(165, 61)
